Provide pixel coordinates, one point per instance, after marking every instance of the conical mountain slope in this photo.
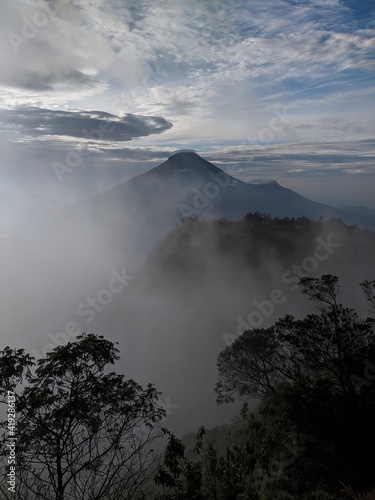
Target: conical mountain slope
(186, 185)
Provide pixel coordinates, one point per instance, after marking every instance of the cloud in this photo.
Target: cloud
(216, 69)
(304, 160)
(90, 125)
(47, 49)
(185, 60)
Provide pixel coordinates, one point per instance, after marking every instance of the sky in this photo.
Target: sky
(94, 92)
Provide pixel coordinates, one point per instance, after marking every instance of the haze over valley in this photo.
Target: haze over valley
(146, 264)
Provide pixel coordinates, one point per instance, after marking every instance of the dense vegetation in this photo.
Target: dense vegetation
(313, 433)
(236, 251)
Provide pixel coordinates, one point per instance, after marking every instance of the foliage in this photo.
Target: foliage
(251, 459)
(82, 433)
(368, 288)
(317, 372)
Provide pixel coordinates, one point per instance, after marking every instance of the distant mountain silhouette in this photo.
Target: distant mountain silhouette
(187, 182)
(187, 185)
(131, 218)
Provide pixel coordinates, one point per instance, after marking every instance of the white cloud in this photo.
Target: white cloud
(214, 68)
(46, 57)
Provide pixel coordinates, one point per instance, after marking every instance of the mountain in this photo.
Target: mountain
(188, 185)
(358, 209)
(134, 215)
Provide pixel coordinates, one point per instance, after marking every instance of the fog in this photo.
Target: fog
(102, 266)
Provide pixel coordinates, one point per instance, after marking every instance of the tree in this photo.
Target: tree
(248, 458)
(180, 478)
(368, 288)
(334, 343)
(81, 432)
(319, 372)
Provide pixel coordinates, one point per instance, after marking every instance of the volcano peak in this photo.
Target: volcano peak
(185, 155)
(189, 160)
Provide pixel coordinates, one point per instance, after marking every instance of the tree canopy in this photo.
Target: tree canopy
(318, 373)
(82, 432)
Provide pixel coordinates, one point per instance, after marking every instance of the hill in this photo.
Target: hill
(207, 281)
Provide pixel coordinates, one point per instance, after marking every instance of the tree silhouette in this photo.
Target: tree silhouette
(81, 432)
(319, 372)
(368, 288)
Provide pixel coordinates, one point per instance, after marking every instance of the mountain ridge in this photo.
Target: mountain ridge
(186, 181)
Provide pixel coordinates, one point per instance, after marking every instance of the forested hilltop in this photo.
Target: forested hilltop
(257, 242)
(208, 281)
